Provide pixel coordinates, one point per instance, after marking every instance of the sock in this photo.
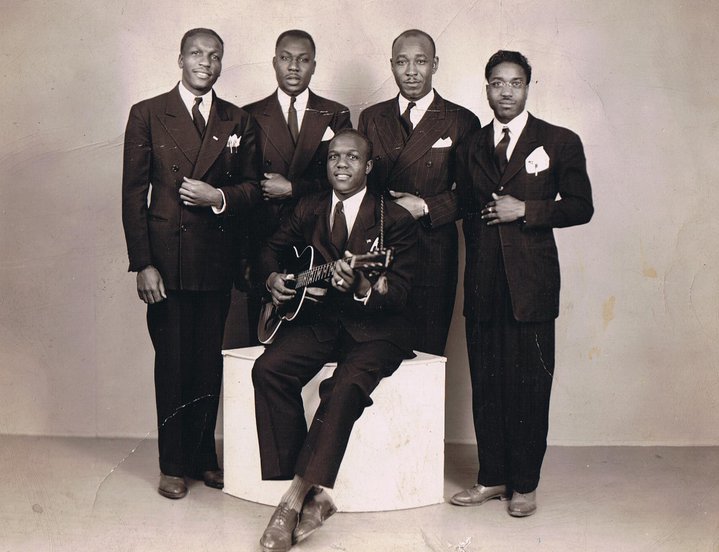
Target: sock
(295, 495)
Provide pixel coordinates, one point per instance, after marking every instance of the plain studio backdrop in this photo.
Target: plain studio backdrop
(638, 335)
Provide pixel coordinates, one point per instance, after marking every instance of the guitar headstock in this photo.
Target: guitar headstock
(373, 261)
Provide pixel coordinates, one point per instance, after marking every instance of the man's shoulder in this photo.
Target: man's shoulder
(155, 101)
(378, 109)
(551, 131)
(325, 104)
(231, 109)
(259, 106)
(452, 107)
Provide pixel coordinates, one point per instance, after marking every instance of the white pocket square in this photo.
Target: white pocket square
(443, 142)
(233, 142)
(328, 135)
(537, 161)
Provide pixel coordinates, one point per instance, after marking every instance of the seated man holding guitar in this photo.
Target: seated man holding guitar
(359, 322)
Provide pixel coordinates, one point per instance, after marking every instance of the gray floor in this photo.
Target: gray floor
(60, 494)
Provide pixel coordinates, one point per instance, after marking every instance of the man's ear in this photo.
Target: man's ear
(368, 168)
(180, 61)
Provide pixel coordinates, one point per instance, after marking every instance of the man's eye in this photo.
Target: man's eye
(332, 156)
(353, 157)
(421, 61)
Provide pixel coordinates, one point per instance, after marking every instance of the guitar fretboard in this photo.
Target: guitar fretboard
(315, 274)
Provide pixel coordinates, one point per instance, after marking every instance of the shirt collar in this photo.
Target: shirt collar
(300, 100)
(516, 126)
(351, 207)
(422, 104)
(188, 98)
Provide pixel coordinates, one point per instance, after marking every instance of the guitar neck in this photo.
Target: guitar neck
(314, 275)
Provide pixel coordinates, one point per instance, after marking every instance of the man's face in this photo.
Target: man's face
(413, 64)
(507, 89)
(348, 165)
(201, 63)
(294, 64)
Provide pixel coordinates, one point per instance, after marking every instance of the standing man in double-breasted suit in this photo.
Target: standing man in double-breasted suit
(519, 178)
(415, 138)
(295, 126)
(195, 154)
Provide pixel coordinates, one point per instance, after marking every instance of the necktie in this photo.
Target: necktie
(339, 228)
(406, 120)
(197, 117)
(292, 120)
(500, 151)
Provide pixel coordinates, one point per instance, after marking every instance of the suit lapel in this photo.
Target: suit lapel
(485, 154)
(362, 228)
(218, 130)
(314, 123)
(274, 126)
(526, 143)
(389, 131)
(428, 131)
(178, 124)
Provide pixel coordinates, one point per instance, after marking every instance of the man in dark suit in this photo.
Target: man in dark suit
(196, 153)
(360, 325)
(295, 127)
(519, 178)
(415, 138)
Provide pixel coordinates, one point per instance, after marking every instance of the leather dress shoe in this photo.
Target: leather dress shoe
(278, 534)
(318, 506)
(171, 486)
(214, 478)
(523, 504)
(479, 494)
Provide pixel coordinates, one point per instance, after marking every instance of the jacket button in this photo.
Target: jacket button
(183, 228)
(175, 168)
(428, 163)
(229, 174)
(501, 188)
(418, 193)
(268, 162)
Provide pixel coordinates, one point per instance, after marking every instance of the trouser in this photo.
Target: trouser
(287, 448)
(186, 330)
(431, 313)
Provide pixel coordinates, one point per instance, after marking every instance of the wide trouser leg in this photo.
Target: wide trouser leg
(431, 315)
(512, 368)
(186, 331)
(278, 375)
(343, 398)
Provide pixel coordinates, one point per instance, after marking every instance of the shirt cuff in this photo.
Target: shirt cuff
(364, 299)
(224, 204)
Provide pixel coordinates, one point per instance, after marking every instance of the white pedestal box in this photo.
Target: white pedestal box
(395, 456)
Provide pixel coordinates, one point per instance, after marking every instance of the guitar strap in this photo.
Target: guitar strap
(381, 284)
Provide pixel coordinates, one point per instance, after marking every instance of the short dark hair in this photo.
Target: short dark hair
(197, 31)
(357, 133)
(416, 32)
(297, 33)
(508, 56)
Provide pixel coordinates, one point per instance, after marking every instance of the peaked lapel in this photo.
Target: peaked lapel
(484, 154)
(527, 142)
(364, 223)
(178, 124)
(314, 123)
(389, 130)
(429, 129)
(214, 141)
(321, 233)
(273, 123)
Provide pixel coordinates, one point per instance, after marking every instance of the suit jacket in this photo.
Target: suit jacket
(305, 165)
(383, 317)
(425, 167)
(192, 248)
(527, 248)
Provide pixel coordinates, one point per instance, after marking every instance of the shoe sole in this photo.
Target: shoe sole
(172, 496)
(303, 536)
(521, 514)
(502, 498)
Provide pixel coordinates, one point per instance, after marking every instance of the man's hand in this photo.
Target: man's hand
(276, 186)
(196, 193)
(503, 209)
(150, 286)
(415, 205)
(279, 290)
(345, 279)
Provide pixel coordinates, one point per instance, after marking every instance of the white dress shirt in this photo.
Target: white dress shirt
(418, 110)
(515, 126)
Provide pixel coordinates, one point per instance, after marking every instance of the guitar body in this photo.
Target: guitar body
(271, 317)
